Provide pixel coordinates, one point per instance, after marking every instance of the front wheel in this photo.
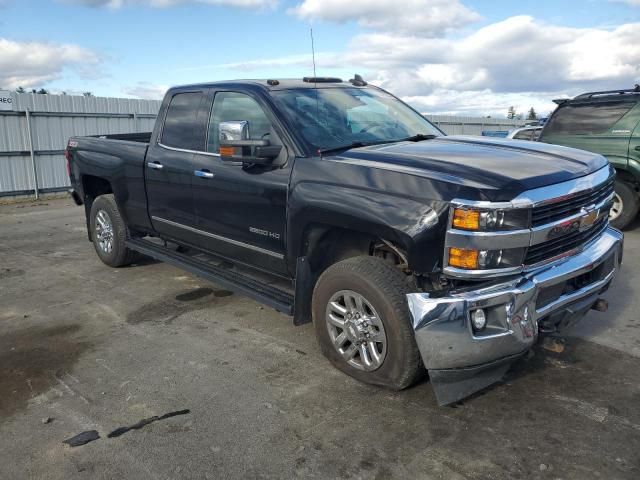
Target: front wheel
(361, 318)
(109, 232)
(625, 205)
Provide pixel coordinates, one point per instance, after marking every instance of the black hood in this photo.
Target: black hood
(506, 167)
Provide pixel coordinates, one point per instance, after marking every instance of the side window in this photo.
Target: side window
(586, 119)
(536, 134)
(233, 106)
(523, 135)
(181, 127)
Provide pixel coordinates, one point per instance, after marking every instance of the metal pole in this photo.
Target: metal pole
(33, 156)
(135, 122)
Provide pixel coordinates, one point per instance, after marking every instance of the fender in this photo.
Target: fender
(413, 225)
(121, 165)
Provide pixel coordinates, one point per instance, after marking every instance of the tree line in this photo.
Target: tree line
(44, 91)
(513, 115)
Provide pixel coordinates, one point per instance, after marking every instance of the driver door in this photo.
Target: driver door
(241, 210)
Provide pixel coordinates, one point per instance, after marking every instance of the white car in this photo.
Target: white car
(525, 133)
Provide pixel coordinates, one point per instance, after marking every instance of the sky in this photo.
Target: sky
(459, 57)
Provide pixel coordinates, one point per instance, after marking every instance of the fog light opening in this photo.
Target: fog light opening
(478, 320)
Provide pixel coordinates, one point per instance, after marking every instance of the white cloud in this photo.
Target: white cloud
(171, 3)
(633, 3)
(522, 55)
(328, 60)
(481, 102)
(419, 17)
(518, 61)
(34, 64)
(146, 90)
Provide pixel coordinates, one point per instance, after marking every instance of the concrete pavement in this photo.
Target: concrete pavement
(97, 348)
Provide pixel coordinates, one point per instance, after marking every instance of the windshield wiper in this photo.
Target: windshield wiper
(414, 138)
(418, 137)
(351, 145)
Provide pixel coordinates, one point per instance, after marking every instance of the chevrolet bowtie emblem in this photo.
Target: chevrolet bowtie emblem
(589, 218)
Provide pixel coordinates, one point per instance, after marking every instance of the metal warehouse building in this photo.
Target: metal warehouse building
(34, 130)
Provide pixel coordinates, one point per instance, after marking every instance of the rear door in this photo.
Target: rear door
(169, 166)
(242, 209)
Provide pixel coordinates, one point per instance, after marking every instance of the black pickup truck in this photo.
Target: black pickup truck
(335, 202)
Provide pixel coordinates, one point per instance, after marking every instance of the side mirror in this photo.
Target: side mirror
(235, 145)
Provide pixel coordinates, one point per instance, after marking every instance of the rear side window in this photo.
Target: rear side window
(523, 135)
(181, 127)
(586, 119)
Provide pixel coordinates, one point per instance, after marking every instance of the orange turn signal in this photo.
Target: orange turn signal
(466, 219)
(227, 151)
(463, 258)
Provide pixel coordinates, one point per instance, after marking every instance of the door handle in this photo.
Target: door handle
(154, 165)
(203, 174)
(637, 149)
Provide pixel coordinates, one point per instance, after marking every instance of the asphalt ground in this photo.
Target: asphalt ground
(86, 347)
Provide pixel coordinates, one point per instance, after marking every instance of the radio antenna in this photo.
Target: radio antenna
(313, 54)
(315, 78)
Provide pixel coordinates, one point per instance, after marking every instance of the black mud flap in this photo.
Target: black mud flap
(305, 281)
(75, 196)
(453, 385)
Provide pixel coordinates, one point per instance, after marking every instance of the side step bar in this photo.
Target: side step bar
(281, 300)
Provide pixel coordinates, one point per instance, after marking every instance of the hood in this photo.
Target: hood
(506, 167)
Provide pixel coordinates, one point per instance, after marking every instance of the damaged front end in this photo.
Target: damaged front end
(465, 351)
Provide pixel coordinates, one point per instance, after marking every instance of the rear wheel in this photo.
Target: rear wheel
(625, 205)
(109, 232)
(361, 319)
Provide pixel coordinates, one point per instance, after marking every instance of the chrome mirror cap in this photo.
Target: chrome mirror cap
(234, 130)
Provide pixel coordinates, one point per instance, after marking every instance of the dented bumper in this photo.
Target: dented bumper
(461, 361)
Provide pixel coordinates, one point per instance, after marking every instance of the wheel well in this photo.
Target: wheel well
(325, 246)
(93, 187)
(627, 177)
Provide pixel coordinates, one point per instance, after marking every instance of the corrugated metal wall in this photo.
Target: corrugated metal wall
(454, 125)
(55, 118)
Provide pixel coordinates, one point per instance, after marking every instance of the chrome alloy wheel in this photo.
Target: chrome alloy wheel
(104, 231)
(356, 330)
(616, 208)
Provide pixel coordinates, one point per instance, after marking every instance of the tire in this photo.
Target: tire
(383, 289)
(110, 247)
(626, 204)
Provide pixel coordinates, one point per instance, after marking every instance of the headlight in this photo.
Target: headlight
(489, 220)
(471, 259)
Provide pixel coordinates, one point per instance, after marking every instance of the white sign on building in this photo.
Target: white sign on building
(6, 102)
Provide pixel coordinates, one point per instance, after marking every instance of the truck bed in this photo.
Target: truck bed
(113, 163)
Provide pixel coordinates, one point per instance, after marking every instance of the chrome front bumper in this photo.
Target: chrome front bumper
(565, 290)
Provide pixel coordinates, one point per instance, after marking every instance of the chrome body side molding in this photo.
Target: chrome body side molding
(220, 238)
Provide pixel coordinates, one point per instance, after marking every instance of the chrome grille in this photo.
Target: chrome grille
(565, 208)
(559, 246)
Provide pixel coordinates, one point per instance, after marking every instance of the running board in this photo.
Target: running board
(235, 281)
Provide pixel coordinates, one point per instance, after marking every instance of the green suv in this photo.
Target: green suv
(607, 123)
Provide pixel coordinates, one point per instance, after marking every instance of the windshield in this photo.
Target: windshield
(335, 117)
